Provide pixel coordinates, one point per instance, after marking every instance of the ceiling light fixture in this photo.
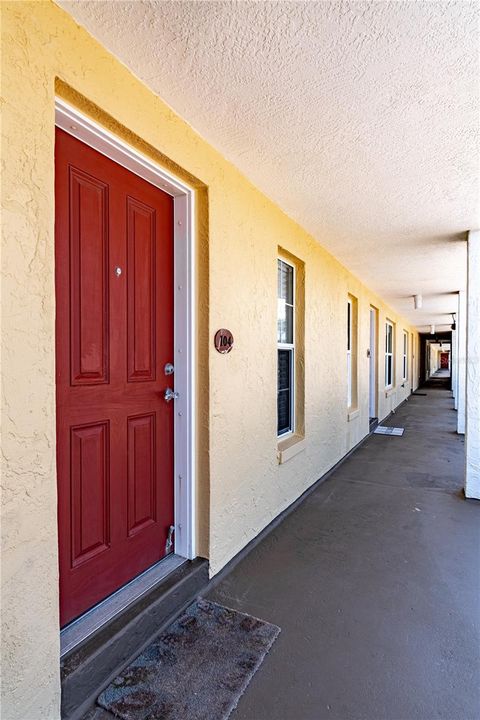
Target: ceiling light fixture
(417, 302)
(432, 329)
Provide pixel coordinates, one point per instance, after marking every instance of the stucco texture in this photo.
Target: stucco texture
(241, 485)
(359, 118)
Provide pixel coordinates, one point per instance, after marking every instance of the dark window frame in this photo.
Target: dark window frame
(285, 345)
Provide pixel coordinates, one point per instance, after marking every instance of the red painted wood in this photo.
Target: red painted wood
(114, 335)
(141, 291)
(89, 451)
(88, 199)
(141, 472)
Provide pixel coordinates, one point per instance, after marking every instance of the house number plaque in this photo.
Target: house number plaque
(223, 341)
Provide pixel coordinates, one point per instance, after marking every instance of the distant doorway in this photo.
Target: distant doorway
(435, 359)
(372, 358)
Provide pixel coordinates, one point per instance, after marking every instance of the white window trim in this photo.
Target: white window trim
(75, 123)
(349, 354)
(391, 354)
(291, 347)
(405, 357)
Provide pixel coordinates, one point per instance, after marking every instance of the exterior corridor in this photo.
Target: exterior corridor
(371, 580)
(235, 236)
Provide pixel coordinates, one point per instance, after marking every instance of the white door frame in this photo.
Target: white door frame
(412, 362)
(75, 123)
(372, 369)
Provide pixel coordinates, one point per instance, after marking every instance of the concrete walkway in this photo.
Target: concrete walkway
(441, 372)
(374, 581)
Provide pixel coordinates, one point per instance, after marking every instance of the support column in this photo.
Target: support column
(472, 435)
(461, 360)
(453, 366)
(455, 334)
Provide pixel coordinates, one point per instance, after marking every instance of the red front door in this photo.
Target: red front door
(114, 335)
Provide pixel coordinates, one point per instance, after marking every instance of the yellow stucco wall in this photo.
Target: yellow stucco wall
(241, 485)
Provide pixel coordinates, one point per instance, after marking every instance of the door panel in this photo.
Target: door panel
(90, 491)
(89, 278)
(141, 291)
(114, 335)
(141, 472)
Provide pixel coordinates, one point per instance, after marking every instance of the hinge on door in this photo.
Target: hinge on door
(169, 542)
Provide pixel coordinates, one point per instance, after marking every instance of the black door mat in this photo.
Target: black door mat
(197, 670)
(416, 394)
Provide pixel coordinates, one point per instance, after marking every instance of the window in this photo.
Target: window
(290, 354)
(352, 322)
(286, 348)
(389, 341)
(405, 356)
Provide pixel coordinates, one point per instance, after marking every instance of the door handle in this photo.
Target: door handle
(170, 395)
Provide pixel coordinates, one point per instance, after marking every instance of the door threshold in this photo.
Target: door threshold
(80, 629)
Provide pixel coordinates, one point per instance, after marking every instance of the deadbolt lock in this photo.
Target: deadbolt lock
(169, 369)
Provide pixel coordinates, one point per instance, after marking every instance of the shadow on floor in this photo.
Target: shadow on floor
(440, 380)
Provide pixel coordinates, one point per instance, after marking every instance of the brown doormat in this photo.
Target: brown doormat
(197, 670)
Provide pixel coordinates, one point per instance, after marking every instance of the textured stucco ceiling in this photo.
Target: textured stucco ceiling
(360, 119)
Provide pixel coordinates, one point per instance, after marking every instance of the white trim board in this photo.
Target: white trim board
(83, 128)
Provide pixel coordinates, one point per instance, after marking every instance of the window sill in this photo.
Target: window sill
(353, 414)
(290, 447)
(390, 391)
